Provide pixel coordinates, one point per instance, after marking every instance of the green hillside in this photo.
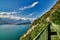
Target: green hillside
(42, 27)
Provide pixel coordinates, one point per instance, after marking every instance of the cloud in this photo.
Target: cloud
(17, 17)
(4, 16)
(8, 15)
(31, 19)
(11, 16)
(30, 6)
(30, 15)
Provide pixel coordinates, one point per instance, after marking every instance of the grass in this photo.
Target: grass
(54, 37)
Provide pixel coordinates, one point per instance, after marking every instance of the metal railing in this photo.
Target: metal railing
(45, 34)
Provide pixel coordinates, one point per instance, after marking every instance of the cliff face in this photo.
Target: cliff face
(40, 24)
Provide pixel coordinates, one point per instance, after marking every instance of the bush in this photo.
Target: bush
(55, 17)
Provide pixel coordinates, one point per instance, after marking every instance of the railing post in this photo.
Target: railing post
(49, 32)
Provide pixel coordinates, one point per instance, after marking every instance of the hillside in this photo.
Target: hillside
(39, 27)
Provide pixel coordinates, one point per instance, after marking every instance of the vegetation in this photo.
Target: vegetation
(55, 17)
(42, 23)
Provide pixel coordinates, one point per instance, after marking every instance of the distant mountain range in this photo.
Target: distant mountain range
(13, 21)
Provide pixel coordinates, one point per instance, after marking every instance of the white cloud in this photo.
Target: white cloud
(13, 12)
(7, 13)
(10, 17)
(24, 18)
(2, 16)
(14, 17)
(35, 3)
(32, 19)
(30, 15)
(30, 6)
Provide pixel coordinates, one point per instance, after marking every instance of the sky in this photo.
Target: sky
(24, 9)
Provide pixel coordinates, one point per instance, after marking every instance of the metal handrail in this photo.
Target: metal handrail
(43, 31)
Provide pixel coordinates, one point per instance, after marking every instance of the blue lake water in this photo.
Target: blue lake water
(12, 32)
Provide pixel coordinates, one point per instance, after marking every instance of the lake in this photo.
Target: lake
(12, 32)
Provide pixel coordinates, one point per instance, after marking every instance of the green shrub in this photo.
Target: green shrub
(55, 17)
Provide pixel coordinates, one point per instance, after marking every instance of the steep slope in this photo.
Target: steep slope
(39, 25)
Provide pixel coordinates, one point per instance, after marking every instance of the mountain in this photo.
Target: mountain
(7, 21)
(13, 21)
(23, 22)
(2, 22)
